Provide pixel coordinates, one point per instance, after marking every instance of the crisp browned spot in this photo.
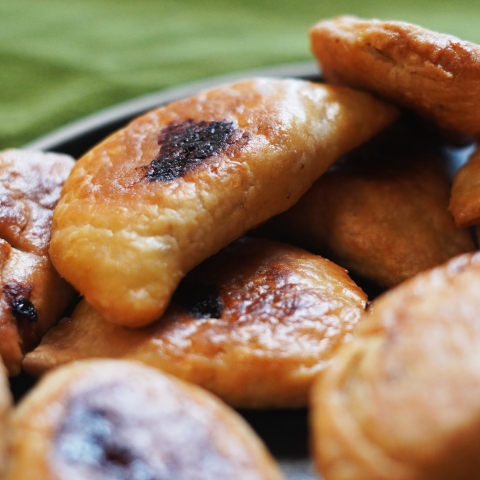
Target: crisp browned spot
(24, 312)
(17, 296)
(26, 318)
(199, 300)
(185, 145)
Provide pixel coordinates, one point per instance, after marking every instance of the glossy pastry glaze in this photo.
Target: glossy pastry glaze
(33, 296)
(382, 211)
(436, 75)
(401, 400)
(30, 185)
(254, 324)
(107, 419)
(125, 235)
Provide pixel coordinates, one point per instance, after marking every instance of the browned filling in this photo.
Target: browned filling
(90, 437)
(199, 300)
(116, 431)
(23, 309)
(24, 312)
(17, 296)
(184, 145)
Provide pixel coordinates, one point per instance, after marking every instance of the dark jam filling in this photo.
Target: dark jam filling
(22, 308)
(90, 437)
(185, 145)
(17, 296)
(199, 300)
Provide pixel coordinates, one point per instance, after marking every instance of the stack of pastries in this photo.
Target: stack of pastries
(208, 242)
(401, 401)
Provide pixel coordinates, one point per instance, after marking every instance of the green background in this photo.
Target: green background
(61, 59)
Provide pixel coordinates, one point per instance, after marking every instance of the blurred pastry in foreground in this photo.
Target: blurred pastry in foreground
(401, 401)
(434, 74)
(465, 198)
(108, 419)
(33, 296)
(254, 324)
(381, 212)
(5, 413)
(176, 185)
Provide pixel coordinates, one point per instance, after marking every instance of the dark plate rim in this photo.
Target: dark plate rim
(125, 111)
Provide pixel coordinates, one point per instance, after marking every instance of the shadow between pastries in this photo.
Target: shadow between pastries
(381, 211)
(176, 185)
(434, 74)
(254, 324)
(33, 296)
(113, 419)
(401, 401)
(465, 198)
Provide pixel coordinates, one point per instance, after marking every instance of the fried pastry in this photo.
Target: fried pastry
(254, 324)
(108, 419)
(465, 198)
(401, 401)
(434, 74)
(381, 212)
(176, 185)
(33, 296)
(5, 412)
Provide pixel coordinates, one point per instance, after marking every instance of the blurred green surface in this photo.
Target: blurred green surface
(63, 59)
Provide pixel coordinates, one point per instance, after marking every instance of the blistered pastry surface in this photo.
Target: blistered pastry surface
(125, 241)
(432, 73)
(254, 324)
(33, 296)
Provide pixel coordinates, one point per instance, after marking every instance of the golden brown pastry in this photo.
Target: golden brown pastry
(5, 413)
(465, 198)
(436, 75)
(33, 296)
(179, 183)
(381, 211)
(107, 419)
(401, 400)
(254, 324)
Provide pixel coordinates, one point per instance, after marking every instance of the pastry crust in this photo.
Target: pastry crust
(33, 296)
(5, 415)
(436, 75)
(150, 202)
(381, 212)
(117, 419)
(465, 198)
(401, 400)
(254, 324)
